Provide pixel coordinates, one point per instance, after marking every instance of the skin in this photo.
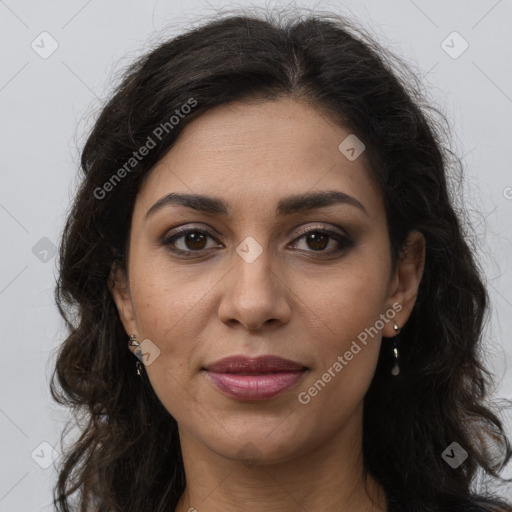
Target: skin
(294, 301)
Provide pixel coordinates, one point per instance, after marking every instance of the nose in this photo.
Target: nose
(254, 295)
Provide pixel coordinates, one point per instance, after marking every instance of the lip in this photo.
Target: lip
(260, 378)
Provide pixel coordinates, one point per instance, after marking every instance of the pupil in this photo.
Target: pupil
(318, 240)
(193, 239)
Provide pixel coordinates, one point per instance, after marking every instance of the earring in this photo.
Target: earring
(396, 369)
(134, 343)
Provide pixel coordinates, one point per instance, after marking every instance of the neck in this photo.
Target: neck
(328, 477)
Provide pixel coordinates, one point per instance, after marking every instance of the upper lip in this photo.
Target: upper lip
(262, 364)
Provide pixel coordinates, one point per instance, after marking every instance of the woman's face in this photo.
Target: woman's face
(248, 281)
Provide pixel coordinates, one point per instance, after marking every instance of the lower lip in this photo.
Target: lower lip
(254, 387)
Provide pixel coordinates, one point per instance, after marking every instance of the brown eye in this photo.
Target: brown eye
(317, 240)
(195, 240)
(191, 240)
(187, 241)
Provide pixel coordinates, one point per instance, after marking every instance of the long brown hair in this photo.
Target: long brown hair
(128, 456)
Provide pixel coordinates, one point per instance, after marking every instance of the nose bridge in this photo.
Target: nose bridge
(253, 295)
(253, 268)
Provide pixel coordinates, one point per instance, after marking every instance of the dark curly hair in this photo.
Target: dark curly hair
(128, 456)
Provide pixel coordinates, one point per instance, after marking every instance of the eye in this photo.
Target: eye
(194, 240)
(317, 240)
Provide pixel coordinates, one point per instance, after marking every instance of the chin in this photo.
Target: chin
(255, 446)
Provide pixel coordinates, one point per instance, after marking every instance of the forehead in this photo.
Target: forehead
(254, 153)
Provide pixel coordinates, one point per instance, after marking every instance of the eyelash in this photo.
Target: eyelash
(344, 241)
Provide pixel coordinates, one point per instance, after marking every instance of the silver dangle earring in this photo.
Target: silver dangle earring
(135, 343)
(396, 369)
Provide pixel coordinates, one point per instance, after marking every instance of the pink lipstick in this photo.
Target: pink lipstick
(261, 378)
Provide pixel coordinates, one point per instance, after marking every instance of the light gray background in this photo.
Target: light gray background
(48, 104)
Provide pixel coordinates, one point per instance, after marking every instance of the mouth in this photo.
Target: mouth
(253, 379)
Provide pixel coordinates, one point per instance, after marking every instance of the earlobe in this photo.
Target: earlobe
(120, 290)
(407, 278)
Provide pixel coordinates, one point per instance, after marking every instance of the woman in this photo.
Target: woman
(275, 307)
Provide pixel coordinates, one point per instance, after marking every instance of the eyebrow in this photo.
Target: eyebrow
(286, 206)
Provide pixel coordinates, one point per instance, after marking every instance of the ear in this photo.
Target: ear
(406, 280)
(119, 288)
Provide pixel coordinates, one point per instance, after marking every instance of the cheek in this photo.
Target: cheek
(342, 303)
(345, 363)
(345, 322)
(166, 307)
(167, 297)
(164, 304)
